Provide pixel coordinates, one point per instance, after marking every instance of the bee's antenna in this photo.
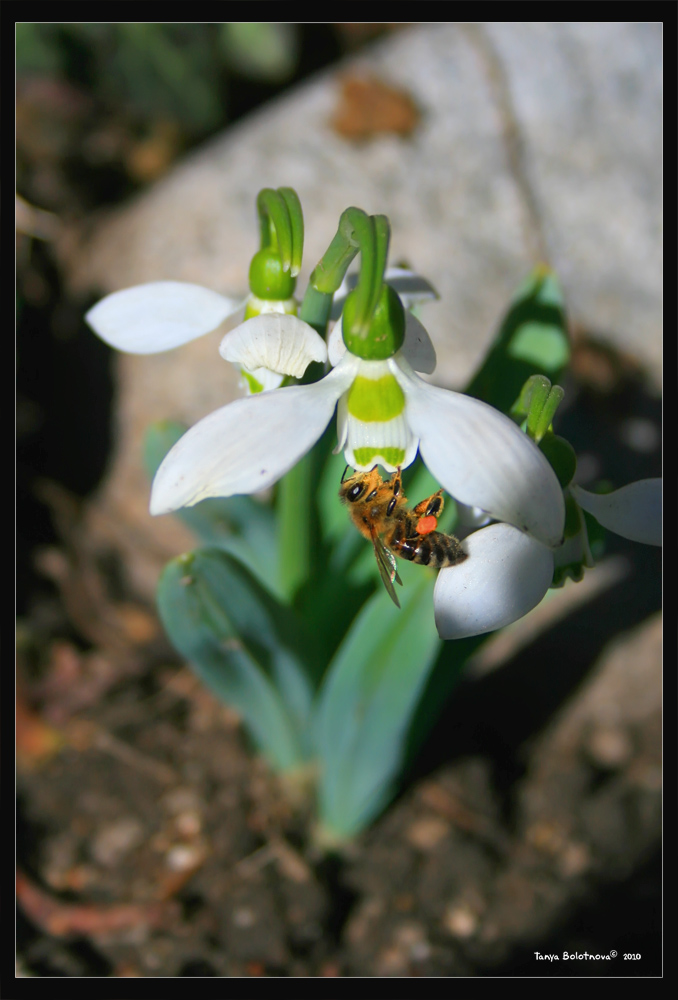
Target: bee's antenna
(343, 475)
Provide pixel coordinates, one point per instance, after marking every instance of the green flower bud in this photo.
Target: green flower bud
(386, 331)
(267, 278)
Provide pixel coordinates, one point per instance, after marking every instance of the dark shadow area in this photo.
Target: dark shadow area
(625, 919)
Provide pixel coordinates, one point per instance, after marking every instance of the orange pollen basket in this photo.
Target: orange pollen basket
(425, 525)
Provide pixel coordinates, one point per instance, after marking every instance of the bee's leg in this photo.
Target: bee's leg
(431, 507)
(397, 482)
(396, 487)
(428, 512)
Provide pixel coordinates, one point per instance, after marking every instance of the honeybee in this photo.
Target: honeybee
(379, 511)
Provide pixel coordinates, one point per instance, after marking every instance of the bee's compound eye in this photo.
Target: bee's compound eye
(355, 491)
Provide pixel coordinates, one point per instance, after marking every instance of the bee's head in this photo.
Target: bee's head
(359, 485)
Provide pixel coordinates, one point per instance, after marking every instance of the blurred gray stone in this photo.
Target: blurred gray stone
(536, 139)
(587, 97)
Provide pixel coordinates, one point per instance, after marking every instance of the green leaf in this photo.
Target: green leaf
(266, 50)
(245, 647)
(333, 516)
(37, 49)
(296, 523)
(163, 70)
(367, 701)
(532, 339)
(312, 567)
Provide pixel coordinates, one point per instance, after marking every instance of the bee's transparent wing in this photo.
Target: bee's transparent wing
(387, 568)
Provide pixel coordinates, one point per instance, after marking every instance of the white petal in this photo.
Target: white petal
(342, 425)
(265, 377)
(470, 518)
(336, 348)
(506, 575)
(277, 341)
(258, 306)
(354, 434)
(482, 458)
(634, 511)
(156, 317)
(248, 445)
(417, 347)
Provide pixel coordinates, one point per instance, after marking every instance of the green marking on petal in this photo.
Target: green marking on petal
(256, 306)
(254, 385)
(375, 399)
(394, 456)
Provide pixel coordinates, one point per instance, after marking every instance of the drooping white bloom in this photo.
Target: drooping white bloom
(508, 572)
(506, 575)
(162, 315)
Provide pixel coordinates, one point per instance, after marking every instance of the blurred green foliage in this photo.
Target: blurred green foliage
(175, 71)
(261, 50)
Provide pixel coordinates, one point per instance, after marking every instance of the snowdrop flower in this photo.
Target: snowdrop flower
(162, 315)
(509, 571)
(166, 314)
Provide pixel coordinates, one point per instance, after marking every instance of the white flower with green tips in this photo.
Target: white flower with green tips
(162, 315)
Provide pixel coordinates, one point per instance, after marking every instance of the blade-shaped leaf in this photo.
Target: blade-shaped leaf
(367, 701)
(243, 645)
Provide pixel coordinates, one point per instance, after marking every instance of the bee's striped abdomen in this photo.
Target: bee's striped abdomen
(434, 549)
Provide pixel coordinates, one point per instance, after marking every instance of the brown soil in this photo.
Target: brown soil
(154, 844)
